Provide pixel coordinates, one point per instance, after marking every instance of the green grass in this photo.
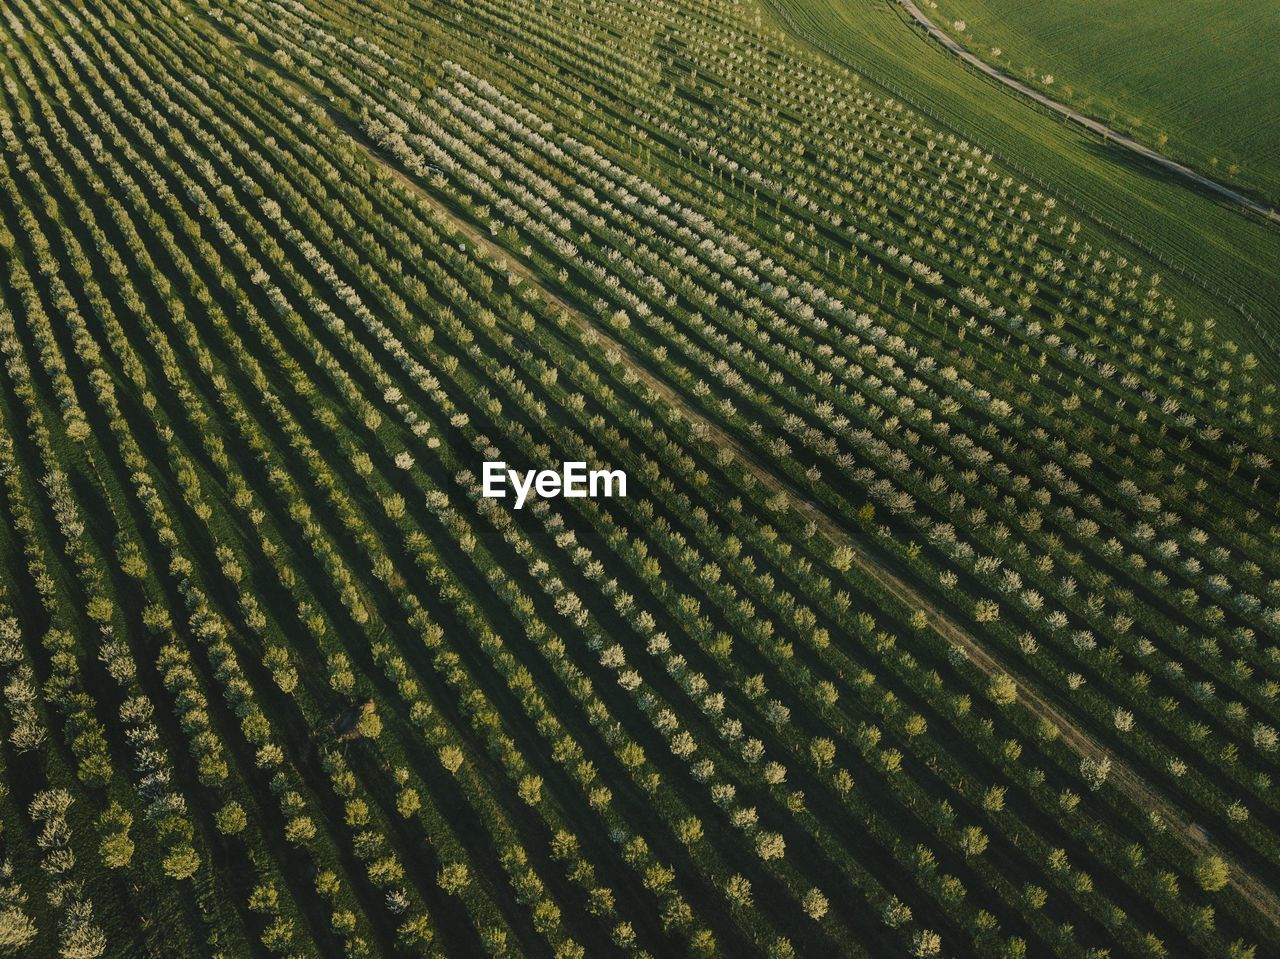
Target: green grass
(1224, 256)
(1202, 73)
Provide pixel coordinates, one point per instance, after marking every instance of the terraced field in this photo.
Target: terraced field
(940, 618)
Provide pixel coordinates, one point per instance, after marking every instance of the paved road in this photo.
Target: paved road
(1100, 128)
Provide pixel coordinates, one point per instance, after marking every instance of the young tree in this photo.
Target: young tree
(454, 878)
(1003, 691)
(823, 752)
(770, 845)
(815, 904)
(231, 819)
(1212, 873)
(973, 841)
(181, 863)
(16, 928)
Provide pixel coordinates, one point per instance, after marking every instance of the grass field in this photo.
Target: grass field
(1203, 73)
(1229, 257)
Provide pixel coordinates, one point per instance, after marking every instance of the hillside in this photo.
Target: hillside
(939, 616)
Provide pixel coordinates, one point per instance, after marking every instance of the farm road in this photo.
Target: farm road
(1090, 124)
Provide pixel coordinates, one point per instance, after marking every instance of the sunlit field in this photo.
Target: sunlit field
(939, 616)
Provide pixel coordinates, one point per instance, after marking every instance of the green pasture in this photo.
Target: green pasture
(1199, 79)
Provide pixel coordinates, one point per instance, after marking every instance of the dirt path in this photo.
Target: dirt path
(1090, 124)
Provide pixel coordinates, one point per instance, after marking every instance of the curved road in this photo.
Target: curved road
(1100, 128)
